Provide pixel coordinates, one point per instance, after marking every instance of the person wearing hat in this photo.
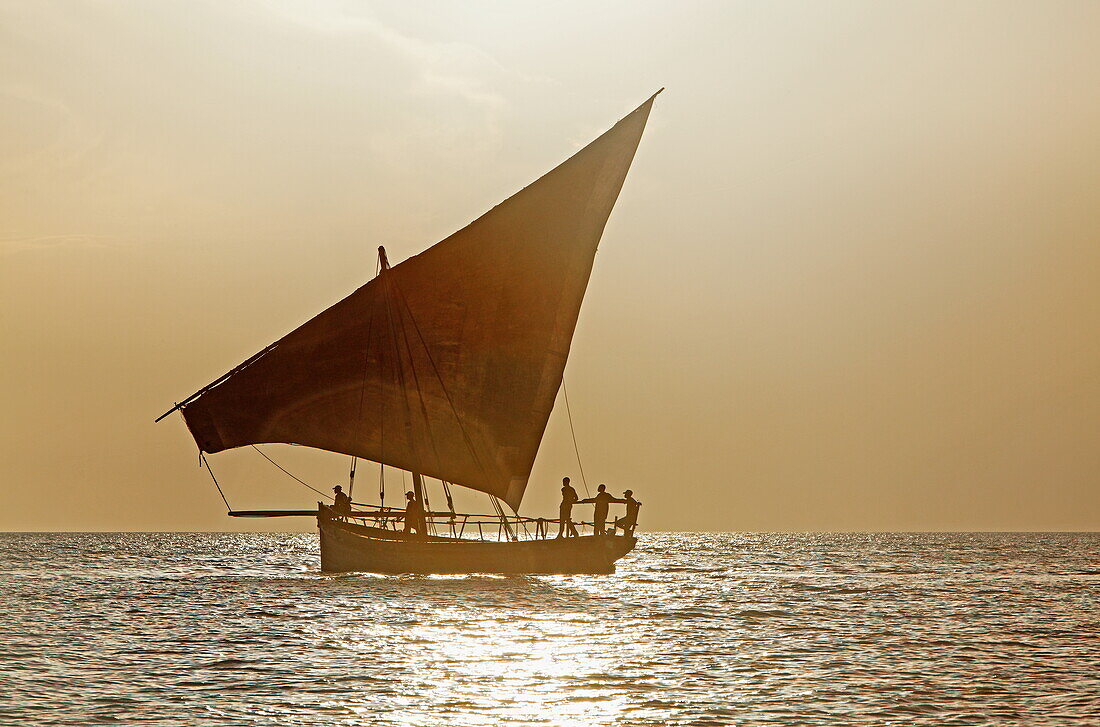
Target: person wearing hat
(341, 502)
(414, 514)
(629, 521)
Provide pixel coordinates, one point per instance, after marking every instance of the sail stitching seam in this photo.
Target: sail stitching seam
(454, 410)
(420, 396)
(397, 362)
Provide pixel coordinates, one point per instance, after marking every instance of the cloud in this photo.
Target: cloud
(39, 243)
(40, 130)
(459, 69)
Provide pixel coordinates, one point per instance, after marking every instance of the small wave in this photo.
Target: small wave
(756, 630)
(220, 663)
(839, 590)
(760, 613)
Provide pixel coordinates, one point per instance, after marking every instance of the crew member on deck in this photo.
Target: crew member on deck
(414, 514)
(629, 521)
(565, 509)
(603, 500)
(341, 502)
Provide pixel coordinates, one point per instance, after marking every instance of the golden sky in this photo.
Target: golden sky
(852, 281)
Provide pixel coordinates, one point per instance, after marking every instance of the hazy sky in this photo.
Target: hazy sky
(852, 282)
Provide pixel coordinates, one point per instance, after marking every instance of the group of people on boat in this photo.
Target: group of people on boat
(602, 502)
(416, 517)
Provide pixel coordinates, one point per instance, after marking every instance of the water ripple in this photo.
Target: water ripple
(707, 629)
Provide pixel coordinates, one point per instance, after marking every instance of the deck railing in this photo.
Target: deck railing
(469, 525)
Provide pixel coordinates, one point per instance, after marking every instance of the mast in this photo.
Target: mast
(383, 264)
(417, 478)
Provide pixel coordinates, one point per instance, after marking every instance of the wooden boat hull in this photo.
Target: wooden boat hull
(348, 547)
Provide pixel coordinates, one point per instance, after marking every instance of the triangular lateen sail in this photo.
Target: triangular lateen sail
(448, 363)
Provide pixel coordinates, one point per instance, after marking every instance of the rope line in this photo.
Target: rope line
(382, 484)
(503, 518)
(202, 457)
(387, 282)
(420, 393)
(298, 479)
(447, 493)
(576, 449)
(450, 401)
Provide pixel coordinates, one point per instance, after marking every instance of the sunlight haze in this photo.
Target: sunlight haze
(852, 281)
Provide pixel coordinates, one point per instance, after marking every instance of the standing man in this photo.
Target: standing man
(603, 500)
(414, 514)
(341, 502)
(565, 509)
(629, 521)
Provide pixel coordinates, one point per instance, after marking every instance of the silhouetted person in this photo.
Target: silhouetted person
(603, 500)
(565, 509)
(629, 521)
(414, 514)
(341, 502)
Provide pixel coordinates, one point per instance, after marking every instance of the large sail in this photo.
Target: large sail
(447, 364)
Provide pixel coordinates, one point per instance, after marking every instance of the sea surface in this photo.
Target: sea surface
(695, 629)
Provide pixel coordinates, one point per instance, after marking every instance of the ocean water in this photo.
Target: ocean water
(706, 629)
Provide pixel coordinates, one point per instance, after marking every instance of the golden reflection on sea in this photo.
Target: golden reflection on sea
(519, 658)
(201, 630)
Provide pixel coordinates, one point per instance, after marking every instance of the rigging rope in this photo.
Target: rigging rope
(427, 505)
(301, 481)
(363, 386)
(387, 289)
(381, 485)
(450, 401)
(503, 518)
(202, 458)
(447, 493)
(419, 392)
(576, 449)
